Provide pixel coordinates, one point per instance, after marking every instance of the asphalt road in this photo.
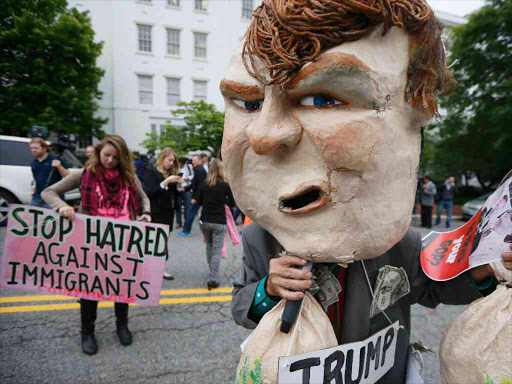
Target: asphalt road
(189, 339)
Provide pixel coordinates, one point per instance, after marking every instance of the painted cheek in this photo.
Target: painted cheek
(234, 141)
(346, 145)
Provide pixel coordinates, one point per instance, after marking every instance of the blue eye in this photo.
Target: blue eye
(249, 106)
(320, 101)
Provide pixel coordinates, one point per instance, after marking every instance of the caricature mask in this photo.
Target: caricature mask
(326, 158)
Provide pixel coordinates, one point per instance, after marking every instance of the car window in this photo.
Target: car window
(15, 153)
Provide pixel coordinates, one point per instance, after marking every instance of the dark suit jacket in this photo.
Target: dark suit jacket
(162, 200)
(260, 246)
(199, 178)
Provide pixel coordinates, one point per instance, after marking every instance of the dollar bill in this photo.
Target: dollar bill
(314, 287)
(391, 284)
(329, 288)
(403, 289)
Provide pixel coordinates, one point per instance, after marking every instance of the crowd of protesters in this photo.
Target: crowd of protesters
(115, 184)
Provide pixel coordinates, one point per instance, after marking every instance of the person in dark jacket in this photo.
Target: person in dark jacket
(447, 192)
(46, 169)
(140, 166)
(160, 186)
(213, 197)
(427, 201)
(199, 178)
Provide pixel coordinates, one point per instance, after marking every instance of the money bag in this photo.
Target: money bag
(312, 331)
(477, 345)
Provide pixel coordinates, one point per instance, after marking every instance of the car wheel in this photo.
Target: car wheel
(5, 199)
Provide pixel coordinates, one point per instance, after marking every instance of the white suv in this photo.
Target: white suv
(16, 175)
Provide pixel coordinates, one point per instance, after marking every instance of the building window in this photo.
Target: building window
(145, 89)
(200, 45)
(173, 3)
(153, 129)
(163, 132)
(200, 90)
(247, 9)
(144, 38)
(173, 42)
(201, 5)
(173, 91)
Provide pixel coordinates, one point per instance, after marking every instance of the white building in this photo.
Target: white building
(159, 52)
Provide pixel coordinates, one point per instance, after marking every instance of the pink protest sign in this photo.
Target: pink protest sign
(92, 258)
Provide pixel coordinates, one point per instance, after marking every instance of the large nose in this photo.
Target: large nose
(276, 128)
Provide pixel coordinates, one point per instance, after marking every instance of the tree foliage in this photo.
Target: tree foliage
(203, 129)
(476, 135)
(48, 72)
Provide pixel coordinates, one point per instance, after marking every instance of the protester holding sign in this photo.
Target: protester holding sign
(325, 104)
(109, 188)
(160, 186)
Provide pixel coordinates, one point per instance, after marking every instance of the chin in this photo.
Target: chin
(344, 241)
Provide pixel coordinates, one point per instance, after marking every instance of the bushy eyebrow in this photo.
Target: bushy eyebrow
(236, 89)
(327, 62)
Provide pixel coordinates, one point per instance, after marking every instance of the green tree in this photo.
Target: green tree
(476, 135)
(48, 72)
(203, 129)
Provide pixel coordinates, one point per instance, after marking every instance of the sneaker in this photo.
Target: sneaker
(125, 336)
(178, 226)
(168, 276)
(89, 345)
(183, 234)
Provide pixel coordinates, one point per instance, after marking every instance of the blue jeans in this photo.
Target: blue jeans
(38, 201)
(448, 205)
(189, 218)
(184, 199)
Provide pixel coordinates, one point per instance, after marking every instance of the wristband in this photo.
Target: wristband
(146, 213)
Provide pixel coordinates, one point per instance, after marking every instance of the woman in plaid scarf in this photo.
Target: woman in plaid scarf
(109, 188)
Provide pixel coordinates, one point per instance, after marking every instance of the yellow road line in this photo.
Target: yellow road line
(200, 299)
(194, 291)
(103, 304)
(165, 292)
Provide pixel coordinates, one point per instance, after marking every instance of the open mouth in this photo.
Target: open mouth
(308, 197)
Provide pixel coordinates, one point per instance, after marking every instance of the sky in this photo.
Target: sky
(456, 7)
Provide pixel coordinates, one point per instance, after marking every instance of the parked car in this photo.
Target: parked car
(471, 207)
(16, 175)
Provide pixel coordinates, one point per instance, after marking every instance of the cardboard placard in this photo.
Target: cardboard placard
(363, 362)
(480, 241)
(91, 257)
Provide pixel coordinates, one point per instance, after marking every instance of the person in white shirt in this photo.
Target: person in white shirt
(205, 160)
(185, 193)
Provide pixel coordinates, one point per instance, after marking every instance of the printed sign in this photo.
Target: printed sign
(91, 257)
(363, 362)
(480, 241)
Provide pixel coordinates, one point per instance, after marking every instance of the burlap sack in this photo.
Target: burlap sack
(312, 331)
(477, 347)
